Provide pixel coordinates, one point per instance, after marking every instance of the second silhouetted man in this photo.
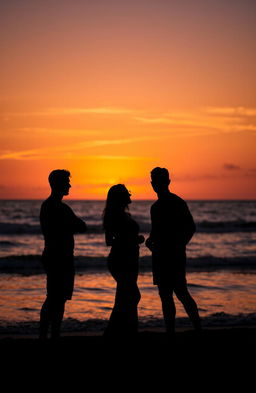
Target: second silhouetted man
(172, 229)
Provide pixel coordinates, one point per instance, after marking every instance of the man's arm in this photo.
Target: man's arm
(150, 240)
(189, 226)
(78, 225)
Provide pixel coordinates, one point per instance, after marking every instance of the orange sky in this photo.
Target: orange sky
(110, 89)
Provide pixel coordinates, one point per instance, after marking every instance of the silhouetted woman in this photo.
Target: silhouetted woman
(122, 234)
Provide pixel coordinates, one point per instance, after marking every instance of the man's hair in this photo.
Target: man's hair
(160, 175)
(58, 177)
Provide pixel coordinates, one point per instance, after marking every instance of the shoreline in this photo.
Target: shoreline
(219, 322)
(143, 331)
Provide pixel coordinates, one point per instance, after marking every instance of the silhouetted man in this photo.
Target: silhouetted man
(58, 224)
(172, 228)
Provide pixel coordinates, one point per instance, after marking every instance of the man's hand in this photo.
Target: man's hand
(141, 239)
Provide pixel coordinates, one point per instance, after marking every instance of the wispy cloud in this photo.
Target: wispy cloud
(205, 121)
(231, 111)
(231, 167)
(200, 121)
(189, 120)
(68, 151)
(117, 158)
(61, 131)
(64, 111)
(197, 177)
(97, 110)
(231, 170)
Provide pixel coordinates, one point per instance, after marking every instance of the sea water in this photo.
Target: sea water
(220, 268)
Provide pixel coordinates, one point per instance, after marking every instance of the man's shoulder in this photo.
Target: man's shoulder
(50, 205)
(46, 209)
(171, 198)
(170, 201)
(176, 198)
(46, 204)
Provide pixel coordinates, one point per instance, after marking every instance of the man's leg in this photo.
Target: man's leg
(190, 305)
(57, 312)
(168, 307)
(45, 319)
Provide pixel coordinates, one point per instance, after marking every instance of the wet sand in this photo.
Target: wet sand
(218, 359)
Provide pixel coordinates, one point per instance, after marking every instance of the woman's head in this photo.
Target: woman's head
(118, 196)
(118, 199)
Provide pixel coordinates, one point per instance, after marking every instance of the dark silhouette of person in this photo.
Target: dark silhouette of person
(172, 227)
(122, 234)
(58, 224)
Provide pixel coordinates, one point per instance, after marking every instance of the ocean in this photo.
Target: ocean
(221, 266)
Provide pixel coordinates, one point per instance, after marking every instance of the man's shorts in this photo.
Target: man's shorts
(169, 268)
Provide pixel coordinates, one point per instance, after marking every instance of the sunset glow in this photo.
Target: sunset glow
(111, 89)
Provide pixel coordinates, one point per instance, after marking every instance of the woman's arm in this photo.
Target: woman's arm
(109, 238)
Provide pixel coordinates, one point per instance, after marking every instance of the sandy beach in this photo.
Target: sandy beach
(219, 359)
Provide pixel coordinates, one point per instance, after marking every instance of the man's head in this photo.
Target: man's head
(59, 181)
(160, 179)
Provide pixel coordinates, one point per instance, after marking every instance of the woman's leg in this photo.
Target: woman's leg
(124, 316)
(115, 323)
(51, 314)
